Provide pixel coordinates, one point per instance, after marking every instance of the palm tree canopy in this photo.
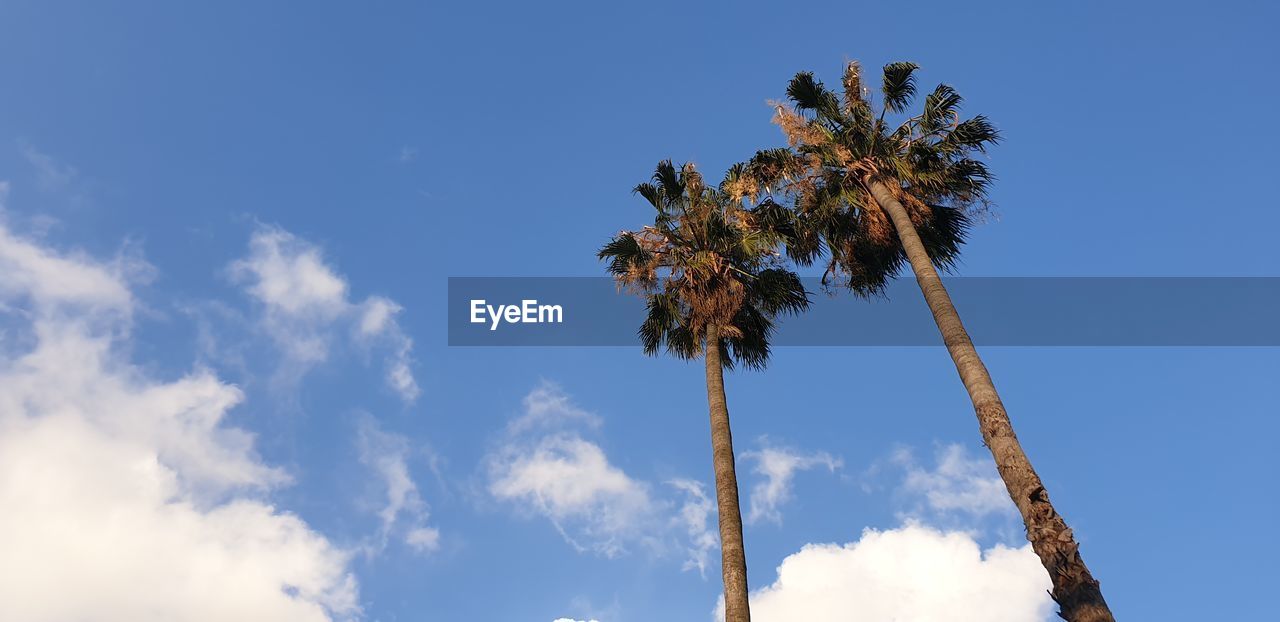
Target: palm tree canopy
(707, 260)
(840, 145)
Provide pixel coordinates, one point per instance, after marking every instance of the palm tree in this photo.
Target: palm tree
(711, 277)
(856, 180)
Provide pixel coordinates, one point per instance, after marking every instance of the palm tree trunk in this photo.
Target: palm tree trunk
(733, 558)
(1076, 591)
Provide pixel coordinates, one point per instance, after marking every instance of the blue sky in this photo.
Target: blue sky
(242, 216)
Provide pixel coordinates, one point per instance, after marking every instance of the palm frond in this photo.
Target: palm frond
(667, 179)
(899, 85)
(751, 348)
(773, 167)
(972, 134)
(662, 316)
(651, 193)
(943, 234)
(773, 218)
(809, 94)
(623, 253)
(941, 108)
(778, 292)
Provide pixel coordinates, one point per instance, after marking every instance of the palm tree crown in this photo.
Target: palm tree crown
(707, 261)
(878, 198)
(841, 145)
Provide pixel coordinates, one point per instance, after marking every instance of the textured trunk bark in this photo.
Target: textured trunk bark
(1074, 588)
(733, 558)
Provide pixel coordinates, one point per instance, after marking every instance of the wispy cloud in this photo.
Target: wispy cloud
(405, 513)
(957, 483)
(51, 175)
(778, 466)
(545, 465)
(694, 516)
(306, 305)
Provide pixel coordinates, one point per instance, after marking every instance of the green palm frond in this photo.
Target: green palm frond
(651, 193)
(662, 316)
(974, 134)
(752, 348)
(941, 108)
(668, 181)
(779, 292)
(774, 167)
(809, 94)
(944, 234)
(774, 219)
(899, 85)
(623, 253)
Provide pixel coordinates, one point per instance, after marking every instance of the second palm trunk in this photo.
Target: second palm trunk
(1077, 593)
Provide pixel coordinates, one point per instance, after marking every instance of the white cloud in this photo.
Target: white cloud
(408, 154)
(694, 515)
(958, 483)
(423, 539)
(547, 406)
(290, 277)
(405, 511)
(126, 496)
(778, 466)
(544, 466)
(581, 609)
(569, 480)
(305, 302)
(916, 572)
(53, 281)
(910, 574)
(377, 316)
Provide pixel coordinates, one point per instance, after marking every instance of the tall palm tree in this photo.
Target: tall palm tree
(872, 195)
(710, 273)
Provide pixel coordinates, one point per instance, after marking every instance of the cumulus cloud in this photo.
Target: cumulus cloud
(405, 513)
(126, 496)
(958, 483)
(778, 466)
(306, 303)
(917, 572)
(546, 466)
(910, 574)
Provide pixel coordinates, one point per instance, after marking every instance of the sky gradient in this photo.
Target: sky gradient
(226, 392)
